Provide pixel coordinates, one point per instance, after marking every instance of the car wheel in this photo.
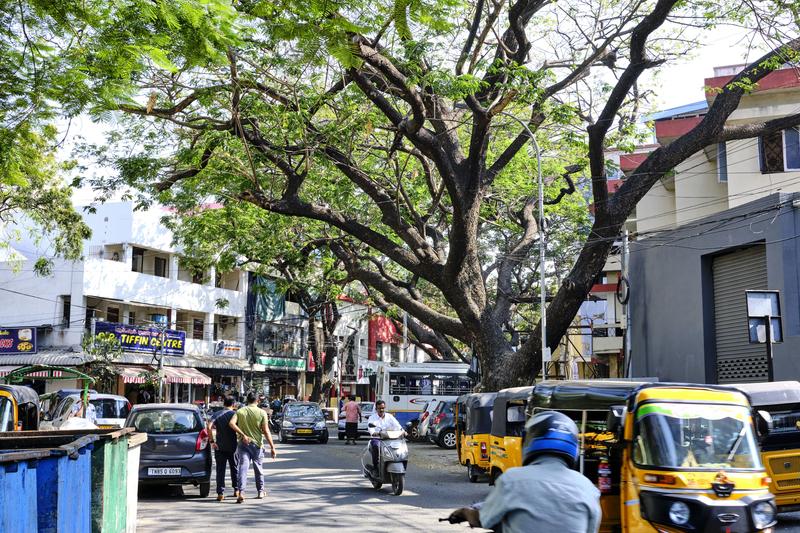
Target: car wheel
(448, 439)
(415, 432)
(341, 436)
(205, 489)
(324, 438)
(472, 473)
(282, 438)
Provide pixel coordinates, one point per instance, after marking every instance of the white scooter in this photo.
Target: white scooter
(392, 461)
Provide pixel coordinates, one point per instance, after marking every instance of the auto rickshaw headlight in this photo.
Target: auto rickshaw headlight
(763, 514)
(679, 513)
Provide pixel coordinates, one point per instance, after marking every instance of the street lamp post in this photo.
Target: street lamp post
(542, 291)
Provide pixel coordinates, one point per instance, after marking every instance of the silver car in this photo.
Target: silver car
(177, 451)
(367, 408)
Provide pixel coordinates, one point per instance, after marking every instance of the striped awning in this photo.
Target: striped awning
(132, 374)
(185, 375)
(5, 370)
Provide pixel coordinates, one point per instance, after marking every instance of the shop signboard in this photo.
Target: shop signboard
(228, 349)
(282, 363)
(144, 340)
(17, 340)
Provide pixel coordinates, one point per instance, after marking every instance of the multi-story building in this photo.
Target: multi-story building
(723, 223)
(132, 283)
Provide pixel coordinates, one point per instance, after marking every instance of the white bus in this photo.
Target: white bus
(407, 387)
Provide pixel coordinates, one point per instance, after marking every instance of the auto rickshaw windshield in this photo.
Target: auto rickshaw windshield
(6, 414)
(694, 437)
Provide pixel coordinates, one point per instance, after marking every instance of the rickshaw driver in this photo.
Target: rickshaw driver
(522, 499)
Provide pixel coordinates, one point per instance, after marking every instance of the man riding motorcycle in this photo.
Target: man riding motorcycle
(379, 421)
(524, 499)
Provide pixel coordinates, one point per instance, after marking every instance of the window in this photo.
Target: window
(161, 267)
(138, 260)
(166, 421)
(112, 314)
(218, 280)
(395, 352)
(66, 305)
(722, 163)
(197, 277)
(779, 151)
(379, 351)
(131, 318)
(197, 328)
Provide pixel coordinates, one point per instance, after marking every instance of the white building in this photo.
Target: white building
(131, 276)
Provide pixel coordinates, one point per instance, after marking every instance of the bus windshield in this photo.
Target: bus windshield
(694, 436)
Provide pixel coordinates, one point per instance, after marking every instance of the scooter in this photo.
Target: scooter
(392, 461)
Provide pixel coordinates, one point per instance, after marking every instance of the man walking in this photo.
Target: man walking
(224, 445)
(352, 413)
(250, 423)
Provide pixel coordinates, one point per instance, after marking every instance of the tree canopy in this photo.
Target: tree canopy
(392, 130)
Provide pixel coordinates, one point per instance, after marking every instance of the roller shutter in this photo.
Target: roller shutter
(737, 360)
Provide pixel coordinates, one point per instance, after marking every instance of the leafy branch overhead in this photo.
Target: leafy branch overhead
(382, 129)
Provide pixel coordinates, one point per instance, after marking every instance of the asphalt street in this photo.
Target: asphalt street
(318, 487)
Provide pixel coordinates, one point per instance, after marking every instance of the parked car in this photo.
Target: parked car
(48, 403)
(442, 429)
(303, 420)
(367, 408)
(177, 450)
(425, 418)
(110, 410)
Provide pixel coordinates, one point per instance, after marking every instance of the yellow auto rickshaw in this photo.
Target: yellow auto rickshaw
(666, 457)
(19, 408)
(508, 427)
(474, 424)
(778, 402)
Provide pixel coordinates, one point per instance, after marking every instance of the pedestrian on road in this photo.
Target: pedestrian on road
(224, 446)
(523, 498)
(250, 423)
(352, 417)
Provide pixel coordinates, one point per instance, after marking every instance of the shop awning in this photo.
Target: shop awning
(5, 370)
(185, 375)
(132, 374)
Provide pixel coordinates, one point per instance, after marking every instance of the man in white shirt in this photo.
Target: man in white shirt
(380, 421)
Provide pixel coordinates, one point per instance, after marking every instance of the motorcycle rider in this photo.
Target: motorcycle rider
(546, 493)
(379, 421)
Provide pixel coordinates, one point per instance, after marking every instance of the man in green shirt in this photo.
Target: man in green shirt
(250, 424)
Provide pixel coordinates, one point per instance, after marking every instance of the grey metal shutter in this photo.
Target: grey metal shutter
(737, 360)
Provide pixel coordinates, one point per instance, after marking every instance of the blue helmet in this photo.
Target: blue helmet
(552, 433)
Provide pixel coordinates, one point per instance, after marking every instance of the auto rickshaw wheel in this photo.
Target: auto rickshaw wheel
(472, 473)
(496, 473)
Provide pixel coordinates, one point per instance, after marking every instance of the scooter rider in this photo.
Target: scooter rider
(546, 494)
(379, 421)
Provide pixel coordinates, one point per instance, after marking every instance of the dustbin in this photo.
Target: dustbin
(47, 480)
(109, 473)
(135, 442)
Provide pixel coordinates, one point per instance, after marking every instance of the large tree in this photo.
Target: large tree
(398, 126)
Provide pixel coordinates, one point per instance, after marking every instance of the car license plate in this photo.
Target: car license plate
(164, 471)
(304, 431)
(107, 426)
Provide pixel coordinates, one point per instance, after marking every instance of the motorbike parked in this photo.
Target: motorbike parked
(392, 461)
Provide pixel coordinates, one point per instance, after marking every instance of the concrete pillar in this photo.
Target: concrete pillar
(208, 327)
(124, 310)
(173, 267)
(212, 277)
(127, 254)
(173, 319)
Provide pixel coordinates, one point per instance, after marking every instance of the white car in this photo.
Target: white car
(425, 417)
(106, 411)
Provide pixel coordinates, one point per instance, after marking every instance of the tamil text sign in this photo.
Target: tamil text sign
(146, 340)
(17, 340)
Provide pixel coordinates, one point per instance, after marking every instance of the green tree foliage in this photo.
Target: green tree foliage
(103, 350)
(391, 130)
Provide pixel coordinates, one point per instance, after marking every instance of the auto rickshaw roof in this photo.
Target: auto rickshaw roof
(583, 394)
(514, 393)
(480, 399)
(771, 393)
(21, 394)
